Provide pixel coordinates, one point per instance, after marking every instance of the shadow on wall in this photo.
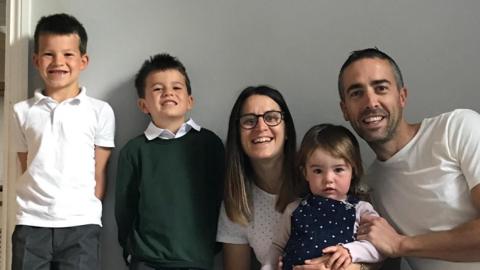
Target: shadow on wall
(130, 122)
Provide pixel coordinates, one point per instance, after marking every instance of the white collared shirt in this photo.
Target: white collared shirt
(153, 131)
(58, 186)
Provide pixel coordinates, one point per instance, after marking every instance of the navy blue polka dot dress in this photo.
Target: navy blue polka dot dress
(318, 223)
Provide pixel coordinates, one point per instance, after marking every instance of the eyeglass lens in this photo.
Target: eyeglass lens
(271, 118)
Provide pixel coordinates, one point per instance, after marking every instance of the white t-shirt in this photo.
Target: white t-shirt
(258, 233)
(58, 186)
(425, 187)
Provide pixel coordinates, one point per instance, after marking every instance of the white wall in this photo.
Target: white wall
(296, 46)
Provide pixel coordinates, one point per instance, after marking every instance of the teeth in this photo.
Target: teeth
(262, 139)
(372, 119)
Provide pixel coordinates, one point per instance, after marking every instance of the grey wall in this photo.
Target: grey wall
(1, 140)
(295, 46)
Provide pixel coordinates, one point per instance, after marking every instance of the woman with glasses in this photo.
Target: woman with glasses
(260, 152)
(260, 177)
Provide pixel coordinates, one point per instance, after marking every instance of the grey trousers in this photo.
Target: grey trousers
(71, 248)
(139, 265)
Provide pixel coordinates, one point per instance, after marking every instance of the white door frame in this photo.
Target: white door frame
(17, 37)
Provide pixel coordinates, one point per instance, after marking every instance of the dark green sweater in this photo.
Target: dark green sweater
(168, 194)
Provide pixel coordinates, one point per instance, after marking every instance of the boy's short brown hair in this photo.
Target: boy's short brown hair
(60, 24)
(159, 62)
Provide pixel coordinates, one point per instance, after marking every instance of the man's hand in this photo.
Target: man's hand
(381, 234)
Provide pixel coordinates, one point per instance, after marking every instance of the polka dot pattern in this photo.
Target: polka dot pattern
(258, 233)
(265, 217)
(317, 223)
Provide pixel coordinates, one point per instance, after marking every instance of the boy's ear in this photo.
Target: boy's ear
(35, 60)
(85, 61)
(142, 106)
(191, 102)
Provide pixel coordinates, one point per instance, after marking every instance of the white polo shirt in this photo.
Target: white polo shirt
(58, 187)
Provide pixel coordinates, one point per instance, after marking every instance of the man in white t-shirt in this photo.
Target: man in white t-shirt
(426, 178)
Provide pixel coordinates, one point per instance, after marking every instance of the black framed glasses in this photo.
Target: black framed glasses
(270, 118)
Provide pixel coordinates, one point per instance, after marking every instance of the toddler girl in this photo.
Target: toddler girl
(325, 221)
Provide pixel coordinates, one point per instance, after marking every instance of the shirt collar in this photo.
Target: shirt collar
(153, 131)
(39, 96)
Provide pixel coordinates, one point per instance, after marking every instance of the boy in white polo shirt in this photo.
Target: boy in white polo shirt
(63, 139)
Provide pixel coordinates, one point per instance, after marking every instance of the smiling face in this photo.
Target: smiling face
(59, 62)
(327, 176)
(372, 102)
(166, 99)
(262, 142)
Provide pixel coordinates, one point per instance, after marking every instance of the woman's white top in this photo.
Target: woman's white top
(258, 233)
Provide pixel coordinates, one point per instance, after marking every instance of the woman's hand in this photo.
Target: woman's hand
(314, 264)
(320, 263)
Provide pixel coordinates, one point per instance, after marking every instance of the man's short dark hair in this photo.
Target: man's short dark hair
(369, 53)
(159, 62)
(61, 24)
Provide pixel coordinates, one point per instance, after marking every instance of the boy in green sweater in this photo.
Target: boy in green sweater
(169, 179)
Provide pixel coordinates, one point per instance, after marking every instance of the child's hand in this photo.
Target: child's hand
(340, 257)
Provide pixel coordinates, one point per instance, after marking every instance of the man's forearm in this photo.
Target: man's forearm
(459, 244)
